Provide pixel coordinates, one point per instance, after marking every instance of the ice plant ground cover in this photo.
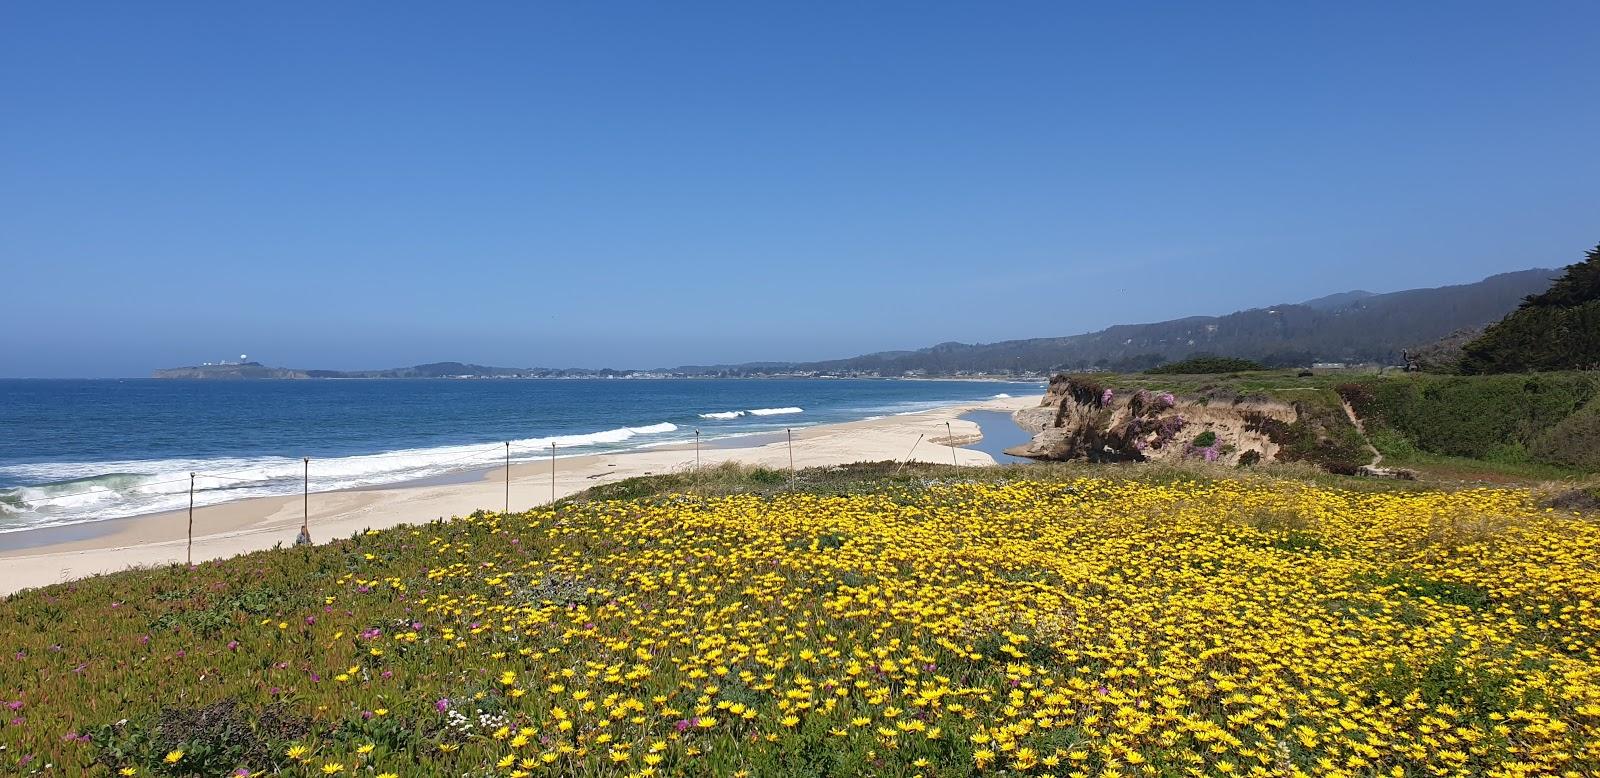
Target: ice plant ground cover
(1078, 622)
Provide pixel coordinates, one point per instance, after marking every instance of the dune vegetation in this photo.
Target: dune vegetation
(1059, 620)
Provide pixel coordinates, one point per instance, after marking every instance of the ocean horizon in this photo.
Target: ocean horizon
(82, 450)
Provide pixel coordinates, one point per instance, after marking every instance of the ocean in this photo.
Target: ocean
(76, 451)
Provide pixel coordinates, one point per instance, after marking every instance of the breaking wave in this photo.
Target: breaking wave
(726, 415)
(73, 492)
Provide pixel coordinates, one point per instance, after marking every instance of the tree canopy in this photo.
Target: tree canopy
(1558, 329)
(1206, 363)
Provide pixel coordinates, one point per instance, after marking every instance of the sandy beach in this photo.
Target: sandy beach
(62, 554)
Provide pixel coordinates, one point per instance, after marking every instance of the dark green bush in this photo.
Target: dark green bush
(1206, 363)
(1501, 417)
(1572, 442)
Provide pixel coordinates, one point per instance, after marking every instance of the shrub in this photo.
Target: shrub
(1575, 500)
(1506, 418)
(1320, 435)
(1391, 443)
(1206, 363)
(1572, 442)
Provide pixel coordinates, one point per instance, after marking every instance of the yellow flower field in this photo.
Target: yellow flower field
(1089, 627)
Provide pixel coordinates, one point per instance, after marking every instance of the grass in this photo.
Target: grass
(866, 619)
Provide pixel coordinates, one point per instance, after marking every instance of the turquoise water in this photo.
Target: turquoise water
(78, 451)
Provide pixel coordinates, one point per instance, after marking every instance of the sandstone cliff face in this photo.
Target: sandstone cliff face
(1081, 419)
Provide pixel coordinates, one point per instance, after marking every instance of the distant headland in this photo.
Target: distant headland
(256, 370)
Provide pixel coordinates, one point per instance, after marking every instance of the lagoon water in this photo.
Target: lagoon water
(1000, 432)
(77, 451)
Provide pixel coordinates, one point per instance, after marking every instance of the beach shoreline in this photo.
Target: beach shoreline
(69, 552)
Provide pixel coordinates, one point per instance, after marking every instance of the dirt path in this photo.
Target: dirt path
(1377, 456)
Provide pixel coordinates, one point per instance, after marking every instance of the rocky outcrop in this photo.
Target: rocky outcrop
(1081, 419)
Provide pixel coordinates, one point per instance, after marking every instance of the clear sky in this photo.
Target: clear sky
(352, 185)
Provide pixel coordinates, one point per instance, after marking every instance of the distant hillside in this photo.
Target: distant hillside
(1334, 302)
(1347, 327)
(1354, 326)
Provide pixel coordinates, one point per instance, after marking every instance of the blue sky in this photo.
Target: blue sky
(353, 185)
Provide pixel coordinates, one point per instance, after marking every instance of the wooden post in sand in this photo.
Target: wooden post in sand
(305, 504)
(697, 449)
(909, 453)
(508, 477)
(188, 555)
(951, 440)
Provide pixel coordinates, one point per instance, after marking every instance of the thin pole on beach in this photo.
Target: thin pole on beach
(508, 477)
(305, 498)
(188, 555)
(909, 453)
(552, 473)
(697, 449)
(951, 439)
(791, 457)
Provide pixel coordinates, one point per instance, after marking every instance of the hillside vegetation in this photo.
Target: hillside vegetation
(1050, 621)
(1548, 418)
(1201, 364)
(1558, 329)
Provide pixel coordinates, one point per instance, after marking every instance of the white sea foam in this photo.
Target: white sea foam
(1001, 396)
(775, 411)
(72, 492)
(722, 415)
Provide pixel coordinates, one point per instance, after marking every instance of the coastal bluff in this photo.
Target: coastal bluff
(1080, 418)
